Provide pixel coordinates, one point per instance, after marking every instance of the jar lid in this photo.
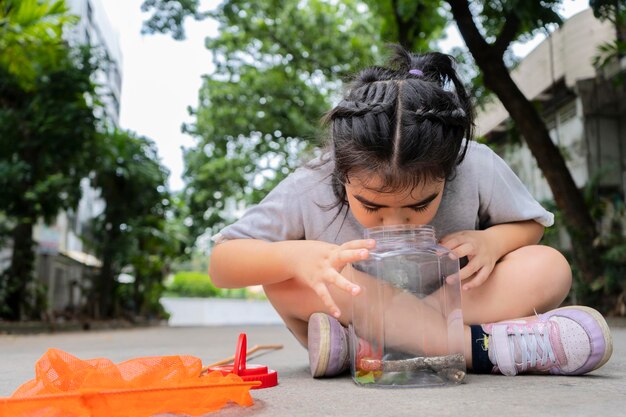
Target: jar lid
(267, 377)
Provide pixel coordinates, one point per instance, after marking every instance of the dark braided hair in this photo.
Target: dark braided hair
(404, 127)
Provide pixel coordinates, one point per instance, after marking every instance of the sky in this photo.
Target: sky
(162, 77)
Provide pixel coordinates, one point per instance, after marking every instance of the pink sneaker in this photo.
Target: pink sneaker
(566, 341)
(329, 354)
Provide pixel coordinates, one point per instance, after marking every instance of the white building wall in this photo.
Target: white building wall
(94, 28)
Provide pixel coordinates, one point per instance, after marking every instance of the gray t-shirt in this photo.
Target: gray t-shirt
(484, 192)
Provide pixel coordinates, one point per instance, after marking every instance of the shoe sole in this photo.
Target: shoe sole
(319, 327)
(606, 333)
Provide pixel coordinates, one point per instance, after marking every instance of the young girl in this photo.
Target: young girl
(400, 153)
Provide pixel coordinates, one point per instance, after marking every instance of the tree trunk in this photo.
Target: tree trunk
(20, 273)
(567, 196)
(138, 294)
(106, 286)
(106, 280)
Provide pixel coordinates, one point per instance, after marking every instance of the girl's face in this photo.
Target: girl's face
(374, 208)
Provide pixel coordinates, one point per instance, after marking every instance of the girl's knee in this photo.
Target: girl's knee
(552, 270)
(557, 266)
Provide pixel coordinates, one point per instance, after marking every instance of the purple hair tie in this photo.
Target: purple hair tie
(416, 72)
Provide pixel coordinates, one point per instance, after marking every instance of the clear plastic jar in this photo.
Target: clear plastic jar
(407, 323)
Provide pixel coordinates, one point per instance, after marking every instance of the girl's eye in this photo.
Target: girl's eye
(419, 209)
(370, 209)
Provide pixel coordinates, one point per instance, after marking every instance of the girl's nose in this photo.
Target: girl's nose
(395, 217)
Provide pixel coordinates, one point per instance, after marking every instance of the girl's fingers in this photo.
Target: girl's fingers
(465, 249)
(453, 279)
(322, 291)
(479, 279)
(345, 284)
(359, 244)
(469, 270)
(449, 243)
(339, 281)
(352, 255)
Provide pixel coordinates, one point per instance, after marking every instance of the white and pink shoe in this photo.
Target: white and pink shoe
(567, 341)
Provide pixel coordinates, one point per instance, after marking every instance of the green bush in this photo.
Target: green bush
(192, 284)
(607, 292)
(198, 284)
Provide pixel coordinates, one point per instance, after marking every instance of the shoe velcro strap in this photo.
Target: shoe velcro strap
(504, 355)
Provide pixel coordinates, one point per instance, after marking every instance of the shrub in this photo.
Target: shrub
(192, 284)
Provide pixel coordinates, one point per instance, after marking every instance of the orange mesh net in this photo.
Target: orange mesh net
(70, 387)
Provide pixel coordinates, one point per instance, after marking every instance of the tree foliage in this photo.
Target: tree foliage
(412, 23)
(133, 230)
(613, 11)
(30, 37)
(277, 64)
(47, 131)
(168, 16)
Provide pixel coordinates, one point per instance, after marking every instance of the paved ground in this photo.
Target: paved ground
(601, 394)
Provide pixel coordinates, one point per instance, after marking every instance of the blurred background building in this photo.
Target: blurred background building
(64, 263)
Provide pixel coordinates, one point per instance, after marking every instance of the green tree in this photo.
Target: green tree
(132, 228)
(30, 37)
(157, 239)
(47, 132)
(615, 12)
(413, 24)
(168, 16)
(276, 66)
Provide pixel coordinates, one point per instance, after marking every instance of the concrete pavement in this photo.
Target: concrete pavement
(602, 393)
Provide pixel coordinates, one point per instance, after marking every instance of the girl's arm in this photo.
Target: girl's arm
(510, 236)
(245, 262)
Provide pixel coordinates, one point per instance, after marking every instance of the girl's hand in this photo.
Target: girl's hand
(318, 265)
(480, 251)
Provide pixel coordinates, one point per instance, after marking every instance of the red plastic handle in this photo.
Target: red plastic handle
(239, 365)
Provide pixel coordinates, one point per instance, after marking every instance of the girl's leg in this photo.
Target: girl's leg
(528, 280)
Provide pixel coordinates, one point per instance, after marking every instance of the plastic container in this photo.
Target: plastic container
(407, 323)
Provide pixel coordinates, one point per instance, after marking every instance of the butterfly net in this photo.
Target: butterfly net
(67, 386)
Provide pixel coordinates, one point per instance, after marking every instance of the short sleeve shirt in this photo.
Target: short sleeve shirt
(483, 192)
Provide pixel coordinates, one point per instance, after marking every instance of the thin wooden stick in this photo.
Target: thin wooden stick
(449, 365)
(250, 351)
